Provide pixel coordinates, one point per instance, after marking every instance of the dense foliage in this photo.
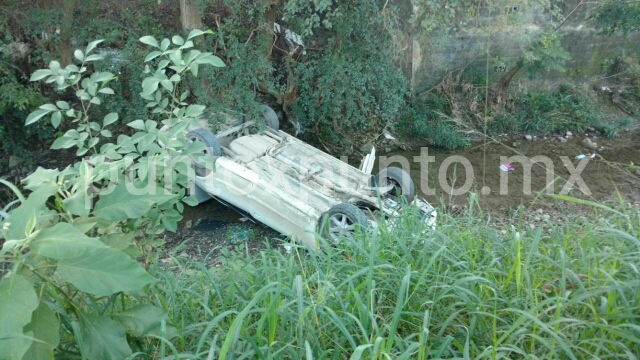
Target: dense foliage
(71, 279)
(337, 84)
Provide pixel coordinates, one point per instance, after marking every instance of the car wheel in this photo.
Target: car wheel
(270, 117)
(342, 220)
(399, 179)
(212, 149)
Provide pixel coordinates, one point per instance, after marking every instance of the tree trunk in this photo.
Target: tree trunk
(64, 50)
(503, 87)
(190, 15)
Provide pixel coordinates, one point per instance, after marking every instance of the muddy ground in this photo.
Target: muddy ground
(610, 171)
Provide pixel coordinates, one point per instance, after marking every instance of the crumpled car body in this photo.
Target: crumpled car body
(292, 187)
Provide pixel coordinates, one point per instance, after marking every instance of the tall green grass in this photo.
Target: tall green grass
(462, 291)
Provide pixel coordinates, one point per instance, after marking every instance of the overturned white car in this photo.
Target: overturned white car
(295, 188)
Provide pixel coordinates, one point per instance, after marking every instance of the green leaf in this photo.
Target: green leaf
(194, 33)
(54, 66)
(106, 90)
(150, 125)
(164, 45)
(106, 133)
(56, 118)
(137, 124)
(178, 40)
(34, 204)
(17, 301)
(176, 57)
(149, 85)
(92, 46)
(93, 58)
(210, 59)
(102, 76)
(39, 177)
(121, 205)
(35, 116)
(64, 241)
(190, 200)
(110, 119)
(103, 272)
(152, 55)
(45, 327)
(103, 338)
(167, 85)
(96, 100)
(78, 203)
(63, 142)
(40, 74)
(144, 319)
(78, 54)
(194, 69)
(62, 105)
(194, 110)
(118, 241)
(149, 40)
(49, 107)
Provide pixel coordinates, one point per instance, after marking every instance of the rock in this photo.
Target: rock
(562, 139)
(539, 211)
(569, 134)
(515, 144)
(588, 144)
(528, 137)
(14, 161)
(366, 148)
(188, 224)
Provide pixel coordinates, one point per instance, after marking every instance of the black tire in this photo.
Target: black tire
(400, 179)
(342, 220)
(212, 150)
(270, 117)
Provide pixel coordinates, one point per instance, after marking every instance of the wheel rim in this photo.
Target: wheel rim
(397, 187)
(340, 225)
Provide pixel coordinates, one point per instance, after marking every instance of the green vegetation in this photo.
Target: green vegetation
(465, 290)
(79, 281)
(76, 250)
(16, 101)
(568, 109)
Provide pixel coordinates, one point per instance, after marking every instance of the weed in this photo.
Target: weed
(464, 290)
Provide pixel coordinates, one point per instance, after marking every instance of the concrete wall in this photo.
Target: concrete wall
(427, 60)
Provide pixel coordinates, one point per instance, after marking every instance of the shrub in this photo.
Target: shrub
(71, 283)
(427, 119)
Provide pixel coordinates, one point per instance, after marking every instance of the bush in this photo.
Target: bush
(567, 109)
(17, 99)
(427, 119)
